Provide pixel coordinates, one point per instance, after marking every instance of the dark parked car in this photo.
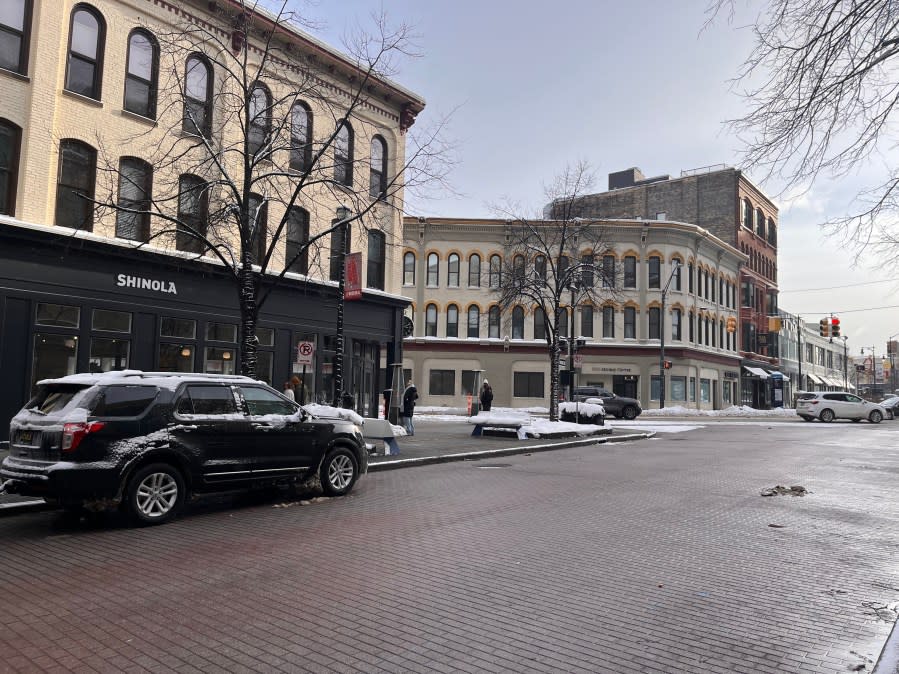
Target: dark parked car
(616, 405)
(144, 441)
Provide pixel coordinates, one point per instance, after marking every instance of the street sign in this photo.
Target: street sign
(305, 352)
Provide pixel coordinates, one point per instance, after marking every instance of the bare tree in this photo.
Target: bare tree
(265, 155)
(822, 88)
(551, 266)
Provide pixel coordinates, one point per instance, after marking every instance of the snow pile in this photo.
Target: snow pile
(329, 412)
(500, 418)
(586, 409)
(732, 411)
(539, 427)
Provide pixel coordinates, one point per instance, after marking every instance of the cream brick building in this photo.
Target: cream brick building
(89, 96)
(458, 329)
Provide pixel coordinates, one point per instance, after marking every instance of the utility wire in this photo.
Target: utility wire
(848, 285)
(852, 311)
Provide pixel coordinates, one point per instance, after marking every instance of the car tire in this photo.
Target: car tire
(875, 417)
(339, 472)
(629, 412)
(155, 494)
(827, 416)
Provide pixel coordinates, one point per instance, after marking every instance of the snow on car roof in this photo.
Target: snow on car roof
(167, 380)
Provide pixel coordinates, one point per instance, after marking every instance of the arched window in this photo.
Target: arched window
(759, 222)
(474, 321)
(377, 175)
(518, 267)
(10, 141)
(260, 119)
(433, 270)
(654, 327)
(15, 34)
(84, 70)
(75, 185)
(258, 224)
(409, 269)
(691, 322)
(676, 316)
(540, 331)
(192, 214)
(300, 137)
(517, 323)
(493, 322)
(714, 336)
(452, 270)
(141, 74)
(493, 279)
(747, 214)
(297, 253)
(377, 259)
(655, 271)
(135, 193)
(772, 232)
(343, 154)
(540, 267)
(588, 269)
(431, 321)
(474, 271)
(608, 321)
(452, 321)
(197, 117)
(721, 333)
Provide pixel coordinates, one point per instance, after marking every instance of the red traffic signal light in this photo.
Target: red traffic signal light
(834, 326)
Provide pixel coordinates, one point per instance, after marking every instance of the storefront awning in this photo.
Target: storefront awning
(756, 371)
(815, 379)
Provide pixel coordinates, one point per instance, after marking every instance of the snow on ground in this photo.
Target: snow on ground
(734, 411)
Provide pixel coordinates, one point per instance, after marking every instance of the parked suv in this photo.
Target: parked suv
(617, 406)
(145, 440)
(838, 405)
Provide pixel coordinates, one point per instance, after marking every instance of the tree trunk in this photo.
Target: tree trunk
(554, 380)
(249, 314)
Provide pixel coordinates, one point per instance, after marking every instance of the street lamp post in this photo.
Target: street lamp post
(845, 365)
(873, 368)
(675, 270)
(344, 215)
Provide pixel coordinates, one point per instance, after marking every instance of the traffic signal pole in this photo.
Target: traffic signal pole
(662, 336)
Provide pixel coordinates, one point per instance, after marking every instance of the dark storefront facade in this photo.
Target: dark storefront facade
(72, 305)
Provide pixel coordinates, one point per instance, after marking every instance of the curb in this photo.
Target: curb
(506, 451)
(888, 662)
(24, 506)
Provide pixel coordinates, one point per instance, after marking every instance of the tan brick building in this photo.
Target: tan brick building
(92, 93)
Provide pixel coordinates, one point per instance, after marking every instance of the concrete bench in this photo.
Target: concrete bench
(483, 421)
(381, 429)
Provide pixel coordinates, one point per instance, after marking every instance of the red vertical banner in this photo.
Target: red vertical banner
(352, 289)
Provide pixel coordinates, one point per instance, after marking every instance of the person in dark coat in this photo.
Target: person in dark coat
(410, 395)
(486, 396)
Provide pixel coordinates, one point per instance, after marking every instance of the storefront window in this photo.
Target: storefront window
(654, 387)
(58, 315)
(54, 356)
(691, 391)
(180, 328)
(221, 332)
(219, 361)
(176, 358)
(266, 336)
(108, 355)
(705, 390)
(111, 321)
(678, 388)
(725, 392)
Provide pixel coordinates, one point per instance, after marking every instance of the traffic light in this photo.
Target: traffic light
(824, 327)
(834, 326)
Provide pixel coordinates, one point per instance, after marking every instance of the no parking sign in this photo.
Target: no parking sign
(305, 352)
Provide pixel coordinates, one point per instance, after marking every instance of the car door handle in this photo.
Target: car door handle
(262, 426)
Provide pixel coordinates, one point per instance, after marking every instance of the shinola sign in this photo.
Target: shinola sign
(126, 281)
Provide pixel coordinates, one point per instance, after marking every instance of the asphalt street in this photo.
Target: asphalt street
(655, 555)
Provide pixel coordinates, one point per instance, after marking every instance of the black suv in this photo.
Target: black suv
(145, 440)
(618, 407)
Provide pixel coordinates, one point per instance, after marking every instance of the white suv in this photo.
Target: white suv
(838, 405)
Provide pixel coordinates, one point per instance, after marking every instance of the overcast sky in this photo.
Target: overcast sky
(533, 87)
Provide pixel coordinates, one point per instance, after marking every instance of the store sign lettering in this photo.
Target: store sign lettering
(126, 281)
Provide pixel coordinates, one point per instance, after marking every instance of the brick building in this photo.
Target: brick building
(88, 92)
(724, 202)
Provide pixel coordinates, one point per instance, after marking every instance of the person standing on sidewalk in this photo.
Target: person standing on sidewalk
(410, 395)
(288, 390)
(486, 397)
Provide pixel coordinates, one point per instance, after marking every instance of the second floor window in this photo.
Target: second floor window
(655, 272)
(654, 326)
(300, 137)
(377, 259)
(258, 227)
(343, 155)
(517, 323)
(493, 322)
(431, 321)
(452, 270)
(15, 32)
(433, 270)
(608, 271)
(409, 269)
(474, 321)
(297, 254)
(141, 74)
(10, 140)
(260, 120)
(84, 70)
(377, 175)
(135, 188)
(493, 279)
(630, 323)
(474, 271)
(540, 331)
(676, 325)
(630, 272)
(192, 210)
(586, 321)
(540, 267)
(75, 185)
(197, 116)
(452, 321)
(608, 321)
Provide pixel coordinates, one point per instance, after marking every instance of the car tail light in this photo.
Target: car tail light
(73, 434)
(813, 402)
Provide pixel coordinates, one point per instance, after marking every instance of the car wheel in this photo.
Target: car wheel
(339, 472)
(155, 494)
(875, 417)
(826, 416)
(629, 412)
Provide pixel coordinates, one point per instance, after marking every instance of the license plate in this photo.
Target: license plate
(27, 437)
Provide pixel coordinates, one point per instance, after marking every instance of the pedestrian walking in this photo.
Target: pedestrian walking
(410, 395)
(486, 396)
(288, 391)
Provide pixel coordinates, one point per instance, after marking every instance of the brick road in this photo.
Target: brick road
(648, 556)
